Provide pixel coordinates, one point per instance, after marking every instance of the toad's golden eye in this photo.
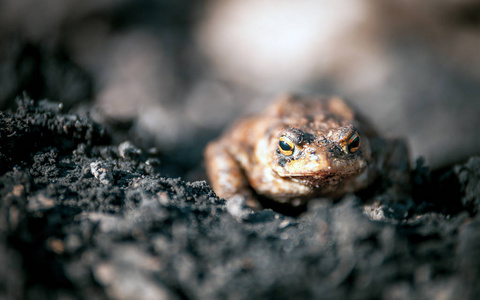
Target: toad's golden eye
(286, 146)
(353, 143)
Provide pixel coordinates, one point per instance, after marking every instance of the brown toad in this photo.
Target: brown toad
(298, 148)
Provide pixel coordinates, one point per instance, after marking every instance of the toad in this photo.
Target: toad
(298, 148)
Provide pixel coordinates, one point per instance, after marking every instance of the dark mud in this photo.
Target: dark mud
(83, 219)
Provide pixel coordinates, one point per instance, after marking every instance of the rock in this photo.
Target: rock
(127, 149)
(102, 172)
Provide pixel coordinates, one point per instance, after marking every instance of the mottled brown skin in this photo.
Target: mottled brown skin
(324, 161)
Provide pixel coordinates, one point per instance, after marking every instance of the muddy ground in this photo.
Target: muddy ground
(82, 218)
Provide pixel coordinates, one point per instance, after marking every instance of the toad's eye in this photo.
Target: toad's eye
(286, 146)
(353, 143)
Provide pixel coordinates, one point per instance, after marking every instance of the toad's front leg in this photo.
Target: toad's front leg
(226, 175)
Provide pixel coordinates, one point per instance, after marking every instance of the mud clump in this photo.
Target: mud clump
(132, 233)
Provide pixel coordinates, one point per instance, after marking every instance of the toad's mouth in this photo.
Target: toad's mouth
(312, 174)
(322, 179)
(305, 172)
(320, 175)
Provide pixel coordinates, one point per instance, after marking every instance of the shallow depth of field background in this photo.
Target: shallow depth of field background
(174, 74)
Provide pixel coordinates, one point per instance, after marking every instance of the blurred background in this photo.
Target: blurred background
(174, 74)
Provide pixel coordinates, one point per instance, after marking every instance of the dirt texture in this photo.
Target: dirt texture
(83, 219)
